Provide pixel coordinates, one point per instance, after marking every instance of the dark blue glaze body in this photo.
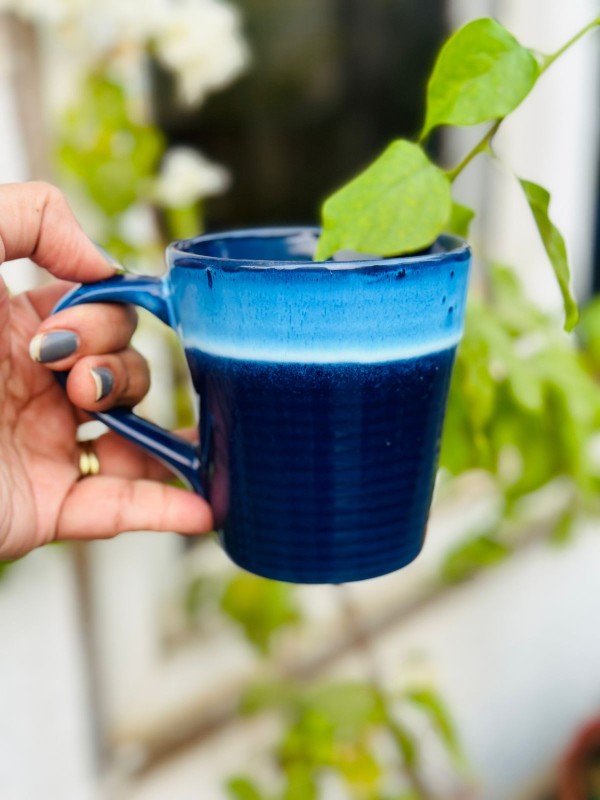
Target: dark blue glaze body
(322, 386)
(321, 470)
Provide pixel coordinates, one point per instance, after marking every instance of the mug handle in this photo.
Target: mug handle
(152, 294)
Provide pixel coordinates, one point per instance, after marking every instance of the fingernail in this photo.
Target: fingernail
(104, 380)
(110, 259)
(53, 346)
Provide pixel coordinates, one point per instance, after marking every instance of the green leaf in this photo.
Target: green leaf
(471, 557)
(482, 73)
(460, 220)
(358, 765)
(563, 528)
(300, 783)
(589, 332)
(554, 244)
(431, 703)
(399, 204)
(184, 222)
(276, 694)
(348, 707)
(239, 788)
(260, 606)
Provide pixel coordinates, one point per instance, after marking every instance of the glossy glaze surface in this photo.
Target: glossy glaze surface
(321, 472)
(322, 390)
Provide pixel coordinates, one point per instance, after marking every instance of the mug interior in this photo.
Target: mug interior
(290, 247)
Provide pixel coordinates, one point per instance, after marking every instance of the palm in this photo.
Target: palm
(37, 439)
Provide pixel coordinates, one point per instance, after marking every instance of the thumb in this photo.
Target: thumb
(36, 222)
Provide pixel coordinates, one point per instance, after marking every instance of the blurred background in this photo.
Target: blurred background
(145, 668)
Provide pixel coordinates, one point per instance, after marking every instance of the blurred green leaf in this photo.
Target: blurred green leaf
(589, 333)
(184, 222)
(276, 694)
(348, 707)
(359, 767)
(309, 739)
(469, 558)
(109, 154)
(539, 202)
(482, 73)
(433, 706)
(399, 204)
(562, 532)
(460, 220)
(240, 788)
(300, 783)
(261, 607)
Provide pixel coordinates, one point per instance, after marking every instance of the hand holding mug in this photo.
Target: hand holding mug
(42, 498)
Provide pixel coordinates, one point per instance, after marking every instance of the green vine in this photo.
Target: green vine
(402, 202)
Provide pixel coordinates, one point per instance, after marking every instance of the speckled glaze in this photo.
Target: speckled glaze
(322, 390)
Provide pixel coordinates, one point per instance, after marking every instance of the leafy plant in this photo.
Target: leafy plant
(343, 729)
(524, 405)
(402, 202)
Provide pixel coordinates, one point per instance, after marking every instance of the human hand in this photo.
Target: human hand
(42, 498)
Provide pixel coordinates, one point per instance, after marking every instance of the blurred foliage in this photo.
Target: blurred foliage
(106, 152)
(339, 729)
(473, 556)
(110, 153)
(260, 607)
(522, 392)
(525, 406)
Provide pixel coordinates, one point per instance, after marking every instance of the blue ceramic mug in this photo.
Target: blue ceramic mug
(322, 390)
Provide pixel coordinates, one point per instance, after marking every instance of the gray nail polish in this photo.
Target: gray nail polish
(53, 346)
(104, 380)
(108, 258)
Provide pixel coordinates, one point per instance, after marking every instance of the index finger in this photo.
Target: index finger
(36, 222)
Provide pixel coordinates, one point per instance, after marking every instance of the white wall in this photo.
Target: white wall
(46, 731)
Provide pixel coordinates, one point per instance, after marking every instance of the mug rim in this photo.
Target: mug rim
(450, 247)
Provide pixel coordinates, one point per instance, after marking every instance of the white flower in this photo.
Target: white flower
(201, 43)
(187, 176)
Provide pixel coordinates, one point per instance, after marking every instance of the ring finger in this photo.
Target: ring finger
(99, 382)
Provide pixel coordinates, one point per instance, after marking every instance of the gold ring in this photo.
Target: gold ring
(88, 460)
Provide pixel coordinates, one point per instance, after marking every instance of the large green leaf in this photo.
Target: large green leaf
(399, 204)
(482, 73)
(539, 201)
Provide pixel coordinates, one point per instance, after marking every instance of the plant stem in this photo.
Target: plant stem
(482, 146)
(365, 644)
(549, 60)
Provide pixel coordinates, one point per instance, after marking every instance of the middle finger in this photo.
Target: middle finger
(93, 329)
